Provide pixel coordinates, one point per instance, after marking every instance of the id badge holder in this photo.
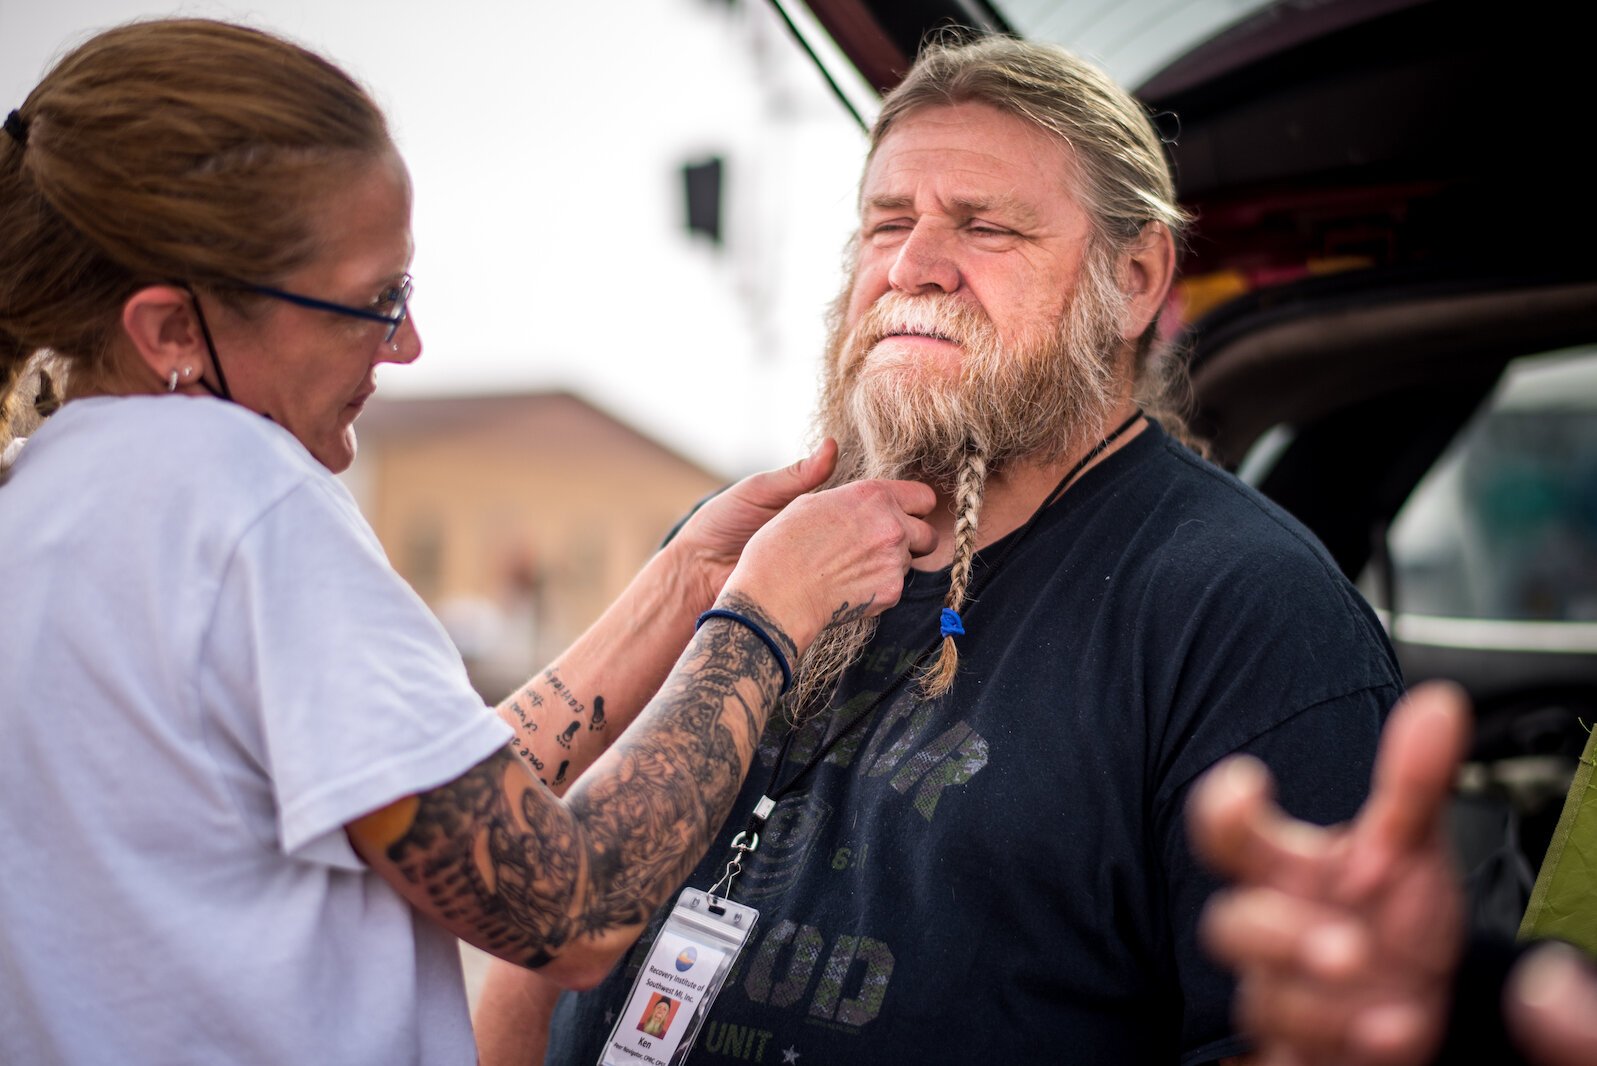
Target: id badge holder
(679, 980)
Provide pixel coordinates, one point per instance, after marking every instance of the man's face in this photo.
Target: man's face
(973, 202)
(972, 318)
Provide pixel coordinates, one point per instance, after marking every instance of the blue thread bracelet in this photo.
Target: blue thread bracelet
(759, 631)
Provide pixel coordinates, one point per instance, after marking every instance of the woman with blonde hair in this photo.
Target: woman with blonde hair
(247, 796)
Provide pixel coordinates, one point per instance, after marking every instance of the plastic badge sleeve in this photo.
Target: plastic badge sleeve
(679, 980)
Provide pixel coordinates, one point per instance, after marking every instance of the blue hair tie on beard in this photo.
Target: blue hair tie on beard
(952, 626)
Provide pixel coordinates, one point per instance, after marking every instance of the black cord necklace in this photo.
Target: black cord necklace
(749, 839)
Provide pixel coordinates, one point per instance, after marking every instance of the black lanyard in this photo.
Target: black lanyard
(749, 839)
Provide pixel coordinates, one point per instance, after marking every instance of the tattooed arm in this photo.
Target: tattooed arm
(528, 876)
(567, 883)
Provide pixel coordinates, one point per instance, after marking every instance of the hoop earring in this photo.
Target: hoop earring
(171, 382)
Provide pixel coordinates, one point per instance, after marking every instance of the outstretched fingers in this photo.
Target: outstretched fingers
(1263, 927)
(1238, 829)
(1299, 1020)
(1425, 738)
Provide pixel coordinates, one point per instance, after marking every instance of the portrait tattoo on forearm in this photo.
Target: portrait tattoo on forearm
(531, 873)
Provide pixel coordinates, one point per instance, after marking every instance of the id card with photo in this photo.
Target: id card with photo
(679, 980)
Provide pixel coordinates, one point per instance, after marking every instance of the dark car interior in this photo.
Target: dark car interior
(1389, 227)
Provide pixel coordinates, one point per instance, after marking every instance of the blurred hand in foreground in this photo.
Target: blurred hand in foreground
(1344, 940)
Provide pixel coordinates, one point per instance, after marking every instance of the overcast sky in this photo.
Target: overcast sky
(543, 141)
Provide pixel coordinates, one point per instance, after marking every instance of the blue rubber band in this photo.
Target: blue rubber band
(952, 626)
(759, 631)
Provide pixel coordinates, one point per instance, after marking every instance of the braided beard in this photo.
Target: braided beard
(1037, 399)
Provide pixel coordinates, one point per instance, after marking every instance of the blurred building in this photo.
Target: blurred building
(517, 517)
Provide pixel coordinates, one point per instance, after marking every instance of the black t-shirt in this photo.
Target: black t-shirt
(1003, 875)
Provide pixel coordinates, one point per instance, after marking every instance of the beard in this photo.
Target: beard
(1037, 398)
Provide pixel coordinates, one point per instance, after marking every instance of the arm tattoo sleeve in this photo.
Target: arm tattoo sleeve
(531, 872)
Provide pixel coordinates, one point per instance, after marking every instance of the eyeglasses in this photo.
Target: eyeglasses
(396, 296)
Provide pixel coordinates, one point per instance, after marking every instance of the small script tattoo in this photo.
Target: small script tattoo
(522, 714)
(847, 612)
(558, 687)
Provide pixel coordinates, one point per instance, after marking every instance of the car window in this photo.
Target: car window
(1504, 526)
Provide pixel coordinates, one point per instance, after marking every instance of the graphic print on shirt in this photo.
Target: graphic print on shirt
(784, 969)
(791, 832)
(908, 757)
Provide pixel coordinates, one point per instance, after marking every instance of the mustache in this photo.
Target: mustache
(939, 315)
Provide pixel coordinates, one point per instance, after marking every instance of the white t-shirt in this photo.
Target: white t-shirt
(208, 668)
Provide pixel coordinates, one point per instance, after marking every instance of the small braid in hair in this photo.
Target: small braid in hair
(968, 493)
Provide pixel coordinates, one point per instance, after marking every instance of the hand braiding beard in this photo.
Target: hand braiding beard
(1038, 398)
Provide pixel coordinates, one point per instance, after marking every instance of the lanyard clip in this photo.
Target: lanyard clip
(743, 844)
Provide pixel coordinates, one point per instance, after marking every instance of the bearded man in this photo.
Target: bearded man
(970, 843)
